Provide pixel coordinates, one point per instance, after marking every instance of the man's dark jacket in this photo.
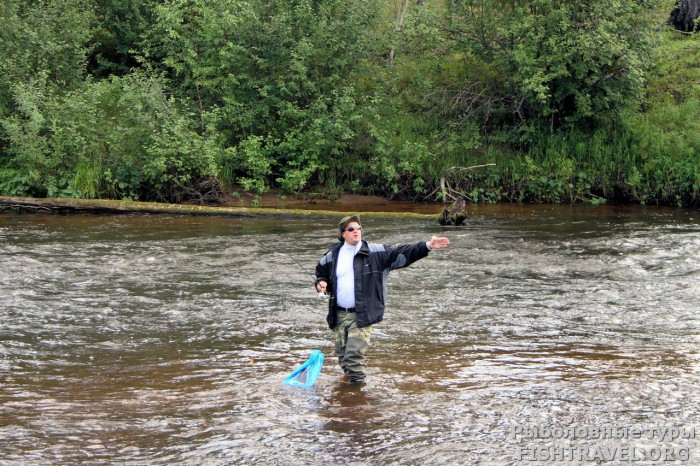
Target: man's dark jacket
(371, 265)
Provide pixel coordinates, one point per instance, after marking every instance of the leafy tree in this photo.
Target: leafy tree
(556, 64)
(405, 139)
(119, 29)
(42, 37)
(43, 45)
(276, 73)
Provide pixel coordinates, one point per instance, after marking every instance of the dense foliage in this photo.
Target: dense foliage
(518, 100)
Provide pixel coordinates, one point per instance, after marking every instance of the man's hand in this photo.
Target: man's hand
(321, 286)
(439, 242)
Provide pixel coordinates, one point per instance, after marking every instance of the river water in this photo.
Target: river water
(543, 335)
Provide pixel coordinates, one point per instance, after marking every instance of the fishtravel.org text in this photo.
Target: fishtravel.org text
(602, 454)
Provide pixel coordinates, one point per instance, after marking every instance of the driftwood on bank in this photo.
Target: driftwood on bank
(453, 176)
(65, 205)
(455, 215)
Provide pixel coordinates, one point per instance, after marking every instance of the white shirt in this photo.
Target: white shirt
(345, 275)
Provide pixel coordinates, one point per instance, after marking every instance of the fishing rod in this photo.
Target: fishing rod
(320, 294)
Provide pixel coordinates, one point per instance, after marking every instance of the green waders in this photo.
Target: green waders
(351, 343)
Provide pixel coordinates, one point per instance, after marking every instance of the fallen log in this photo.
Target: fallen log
(68, 205)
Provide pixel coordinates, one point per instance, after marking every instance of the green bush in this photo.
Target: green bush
(117, 138)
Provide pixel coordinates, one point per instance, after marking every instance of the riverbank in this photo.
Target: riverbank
(347, 202)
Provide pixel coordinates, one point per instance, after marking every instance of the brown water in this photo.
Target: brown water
(543, 333)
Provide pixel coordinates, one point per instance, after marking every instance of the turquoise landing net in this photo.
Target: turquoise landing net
(307, 373)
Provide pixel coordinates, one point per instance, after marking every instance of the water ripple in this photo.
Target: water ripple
(162, 340)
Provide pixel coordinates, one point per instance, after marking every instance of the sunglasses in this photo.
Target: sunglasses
(353, 229)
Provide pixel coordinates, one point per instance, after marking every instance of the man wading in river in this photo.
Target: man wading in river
(354, 274)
